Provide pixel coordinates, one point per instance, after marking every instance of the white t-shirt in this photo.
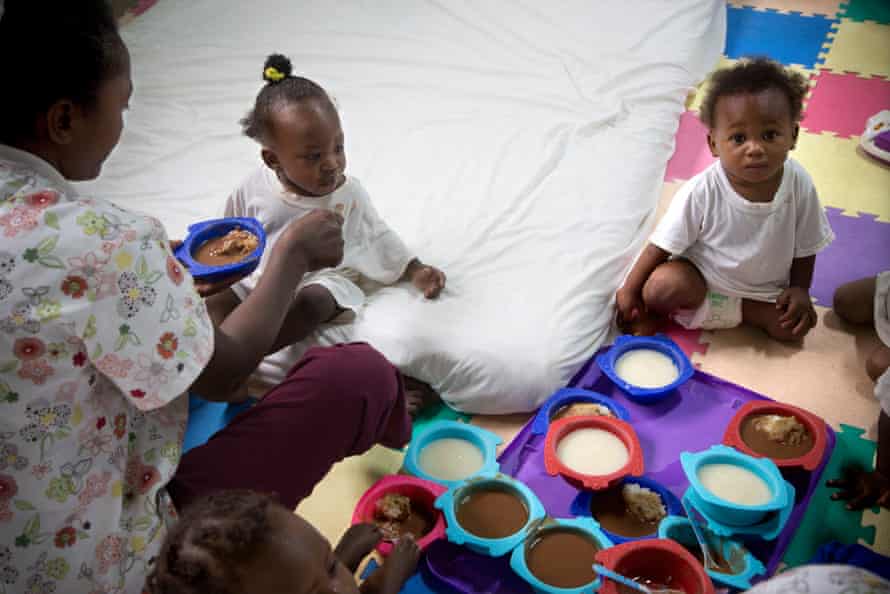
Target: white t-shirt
(882, 326)
(371, 249)
(742, 248)
(101, 333)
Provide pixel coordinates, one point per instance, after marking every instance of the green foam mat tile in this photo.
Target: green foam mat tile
(826, 520)
(868, 10)
(439, 412)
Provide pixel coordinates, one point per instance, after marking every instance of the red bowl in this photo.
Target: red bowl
(815, 425)
(422, 493)
(617, 427)
(660, 560)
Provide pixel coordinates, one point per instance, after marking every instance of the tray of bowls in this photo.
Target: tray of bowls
(622, 468)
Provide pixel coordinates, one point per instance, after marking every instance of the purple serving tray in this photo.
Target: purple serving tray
(693, 418)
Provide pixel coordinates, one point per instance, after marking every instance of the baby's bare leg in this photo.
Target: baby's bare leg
(878, 362)
(855, 302)
(673, 286)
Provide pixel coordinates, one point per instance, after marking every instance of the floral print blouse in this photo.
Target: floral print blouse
(101, 332)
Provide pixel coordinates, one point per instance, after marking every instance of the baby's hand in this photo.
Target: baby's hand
(799, 313)
(861, 489)
(429, 280)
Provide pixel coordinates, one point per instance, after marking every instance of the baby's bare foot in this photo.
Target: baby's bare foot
(419, 396)
(356, 544)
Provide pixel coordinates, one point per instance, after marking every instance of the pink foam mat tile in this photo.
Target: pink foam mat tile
(841, 103)
(691, 153)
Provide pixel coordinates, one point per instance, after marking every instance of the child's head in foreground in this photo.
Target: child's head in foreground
(72, 74)
(752, 110)
(299, 129)
(241, 542)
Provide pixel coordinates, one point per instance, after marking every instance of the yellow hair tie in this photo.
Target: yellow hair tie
(273, 74)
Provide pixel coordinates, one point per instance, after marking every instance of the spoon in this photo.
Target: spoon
(621, 579)
(699, 536)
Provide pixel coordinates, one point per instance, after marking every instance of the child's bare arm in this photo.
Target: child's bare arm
(399, 566)
(428, 279)
(313, 306)
(356, 544)
(861, 489)
(795, 303)
(629, 298)
(802, 272)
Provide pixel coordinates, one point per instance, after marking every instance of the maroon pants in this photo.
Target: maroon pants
(336, 402)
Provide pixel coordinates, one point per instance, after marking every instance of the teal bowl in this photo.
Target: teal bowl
(585, 527)
(449, 501)
(729, 512)
(679, 529)
(486, 441)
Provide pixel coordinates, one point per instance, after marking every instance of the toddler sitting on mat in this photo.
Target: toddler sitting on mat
(298, 127)
(739, 240)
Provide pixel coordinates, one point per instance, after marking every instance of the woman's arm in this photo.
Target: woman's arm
(249, 331)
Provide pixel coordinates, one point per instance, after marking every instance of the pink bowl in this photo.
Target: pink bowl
(422, 494)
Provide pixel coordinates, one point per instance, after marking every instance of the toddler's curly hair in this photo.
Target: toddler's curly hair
(754, 75)
(214, 535)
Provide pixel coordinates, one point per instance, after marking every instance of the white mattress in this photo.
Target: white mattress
(518, 145)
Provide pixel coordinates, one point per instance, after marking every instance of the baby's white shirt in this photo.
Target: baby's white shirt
(742, 248)
(371, 249)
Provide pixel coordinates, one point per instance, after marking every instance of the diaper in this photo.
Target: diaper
(716, 312)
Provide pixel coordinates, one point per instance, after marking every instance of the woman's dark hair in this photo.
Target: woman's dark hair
(754, 75)
(281, 89)
(51, 50)
(214, 535)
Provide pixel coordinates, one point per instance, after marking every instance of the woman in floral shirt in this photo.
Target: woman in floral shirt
(102, 332)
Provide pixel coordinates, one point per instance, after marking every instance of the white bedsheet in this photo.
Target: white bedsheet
(518, 145)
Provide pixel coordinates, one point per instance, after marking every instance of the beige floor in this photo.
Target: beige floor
(825, 375)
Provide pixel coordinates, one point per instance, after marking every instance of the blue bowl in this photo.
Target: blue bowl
(679, 529)
(727, 512)
(486, 441)
(493, 547)
(586, 526)
(660, 343)
(582, 502)
(200, 233)
(567, 396)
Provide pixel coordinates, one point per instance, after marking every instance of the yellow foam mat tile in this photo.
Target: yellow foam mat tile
(828, 8)
(845, 177)
(863, 48)
(329, 508)
(881, 522)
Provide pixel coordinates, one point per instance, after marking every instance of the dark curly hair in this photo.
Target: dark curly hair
(54, 50)
(213, 536)
(754, 75)
(282, 88)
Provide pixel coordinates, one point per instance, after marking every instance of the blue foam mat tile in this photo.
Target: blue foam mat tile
(788, 38)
